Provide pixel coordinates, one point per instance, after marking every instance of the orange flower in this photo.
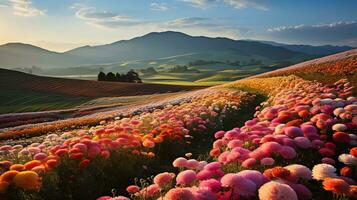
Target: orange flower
(17, 167)
(280, 172)
(28, 180)
(336, 185)
(52, 163)
(8, 176)
(346, 171)
(31, 164)
(353, 152)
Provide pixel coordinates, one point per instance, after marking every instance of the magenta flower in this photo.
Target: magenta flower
(186, 177)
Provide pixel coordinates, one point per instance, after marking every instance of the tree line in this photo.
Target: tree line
(129, 77)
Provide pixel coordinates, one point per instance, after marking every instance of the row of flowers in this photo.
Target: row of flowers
(299, 145)
(24, 166)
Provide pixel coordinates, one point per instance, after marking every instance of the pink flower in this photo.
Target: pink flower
(212, 166)
(287, 152)
(132, 189)
(276, 191)
(234, 143)
(149, 191)
(204, 174)
(293, 131)
(249, 162)
(255, 176)
(267, 161)
(243, 186)
(40, 156)
(203, 194)
(219, 134)
(186, 177)
(180, 162)
(213, 184)
(179, 194)
(270, 147)
(192, 164)
(302, 142)
(163, 179)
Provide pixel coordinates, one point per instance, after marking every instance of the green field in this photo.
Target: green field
(29, 101)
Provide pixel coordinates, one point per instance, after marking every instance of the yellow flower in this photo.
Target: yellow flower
(28, 180)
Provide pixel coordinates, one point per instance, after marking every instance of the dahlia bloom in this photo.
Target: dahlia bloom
(277, 191)
(322, 171)
(213, 184)
(132, 189)
(180, 162)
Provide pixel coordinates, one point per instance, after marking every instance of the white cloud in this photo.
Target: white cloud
(25, 8)
(104, 18)
(332, 33)
(237, 4)
(159, 6)
(190, 22)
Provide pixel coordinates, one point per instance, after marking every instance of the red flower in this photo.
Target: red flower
(341, 137)
(353, 152)
(346, 171)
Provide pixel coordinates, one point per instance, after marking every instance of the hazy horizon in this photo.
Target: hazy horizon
(61, 26)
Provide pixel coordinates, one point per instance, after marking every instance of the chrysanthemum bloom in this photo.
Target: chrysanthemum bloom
(267, 161)
(186, 177)
(249, 162)
(348, 159)
(339, 127)
(149, 191)
(8, 176)
(84, 163)
(353, 152)
(336, 185)
(258, 178)
(341, 137)
(213, 184)
(326, 152)
(192, 164)
(293, 131)
(28, 180)
(353, 191)
(180, 162)
(179, 194)
(302, 142)
(203, 193)
(215, 152)
(277, 191)
(219, 134)
(204, 174)
(163, 179)
(270, 147)
(322, 171)
(287, 152)
(280, 172)
(346, 171)
(113, 198)
(132, 189)
(17, 167)
(148, 143)
(299, 171)
(243, 186)
(31, 164)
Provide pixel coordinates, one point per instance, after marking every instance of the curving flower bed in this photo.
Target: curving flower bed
(301, 144)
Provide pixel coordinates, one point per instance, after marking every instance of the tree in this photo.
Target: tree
(111, 77)
(101, 76)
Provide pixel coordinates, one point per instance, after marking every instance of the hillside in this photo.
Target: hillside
(20, 90)
(150, 46)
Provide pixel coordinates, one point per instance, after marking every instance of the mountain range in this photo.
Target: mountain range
(159, 45)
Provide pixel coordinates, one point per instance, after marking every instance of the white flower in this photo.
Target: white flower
(347, 159)
(300, 171)
(339, 127)
(322, 171)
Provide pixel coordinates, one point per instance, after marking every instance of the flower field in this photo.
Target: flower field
(224, 143)
(62, 165)
(301, 144)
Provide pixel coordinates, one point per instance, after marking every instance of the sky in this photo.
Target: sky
(60, 25)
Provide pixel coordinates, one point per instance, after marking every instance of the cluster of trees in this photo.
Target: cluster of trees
(182, 68)
(130, 77)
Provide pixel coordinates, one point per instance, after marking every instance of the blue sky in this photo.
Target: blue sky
(64, 24)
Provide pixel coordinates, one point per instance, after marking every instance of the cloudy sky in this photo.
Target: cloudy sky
(64, 24)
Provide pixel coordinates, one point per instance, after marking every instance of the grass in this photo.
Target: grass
(29, 101)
